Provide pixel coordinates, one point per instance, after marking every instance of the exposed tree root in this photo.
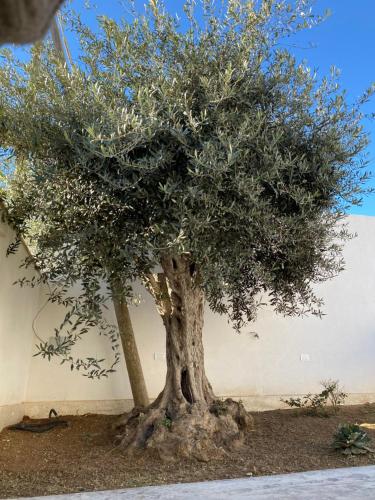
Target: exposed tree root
(186, 420)
(184, 430)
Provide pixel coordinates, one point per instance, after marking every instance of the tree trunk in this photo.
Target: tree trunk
(186, 419)
(182, 315)
(133, 363)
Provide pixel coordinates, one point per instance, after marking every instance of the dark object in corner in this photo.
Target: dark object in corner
(43, 425)
(26, 21)
(52, 413)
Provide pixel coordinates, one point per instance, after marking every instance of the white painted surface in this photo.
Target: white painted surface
(17, 310)
(288, 356)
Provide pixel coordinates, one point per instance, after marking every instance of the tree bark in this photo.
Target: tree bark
(182, 315)
(133, 363)
(186, 419)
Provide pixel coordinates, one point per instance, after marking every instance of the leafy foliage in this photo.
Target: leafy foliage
(5, 169)
(219, 407)
(351, 439)
(211, 142)
(331, 397)
(166, 422)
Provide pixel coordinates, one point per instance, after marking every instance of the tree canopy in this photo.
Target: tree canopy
(213, 142)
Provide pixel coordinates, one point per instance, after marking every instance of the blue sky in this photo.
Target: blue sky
(346, 40)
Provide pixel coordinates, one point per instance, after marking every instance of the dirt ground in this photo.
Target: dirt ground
(82, 457)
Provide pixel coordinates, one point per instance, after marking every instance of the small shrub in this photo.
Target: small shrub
(336, 396)
(166, 422)
(350, 439)
(218, 408)
(331, 397)
(312, 403)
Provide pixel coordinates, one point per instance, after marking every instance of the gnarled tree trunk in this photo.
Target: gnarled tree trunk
(186, 419)
(133, 363)
(181, 307)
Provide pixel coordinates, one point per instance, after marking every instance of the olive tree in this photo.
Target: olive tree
(206, 162)
(68, 250)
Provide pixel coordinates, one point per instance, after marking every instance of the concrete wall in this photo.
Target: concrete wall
(288, 356)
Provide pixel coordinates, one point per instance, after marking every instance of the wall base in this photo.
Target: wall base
(273, 402)
(10, 414)
(40, 409)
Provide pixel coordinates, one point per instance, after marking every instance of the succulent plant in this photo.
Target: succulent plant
(351, 439)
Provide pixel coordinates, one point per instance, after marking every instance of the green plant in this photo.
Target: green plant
(332, 396)
(350, 439)
(166, 422)
(219, 407)
(335, 395)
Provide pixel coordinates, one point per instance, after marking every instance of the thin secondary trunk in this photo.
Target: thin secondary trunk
(133, 363)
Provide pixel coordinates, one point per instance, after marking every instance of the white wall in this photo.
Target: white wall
(258, 370)
(17, 310)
